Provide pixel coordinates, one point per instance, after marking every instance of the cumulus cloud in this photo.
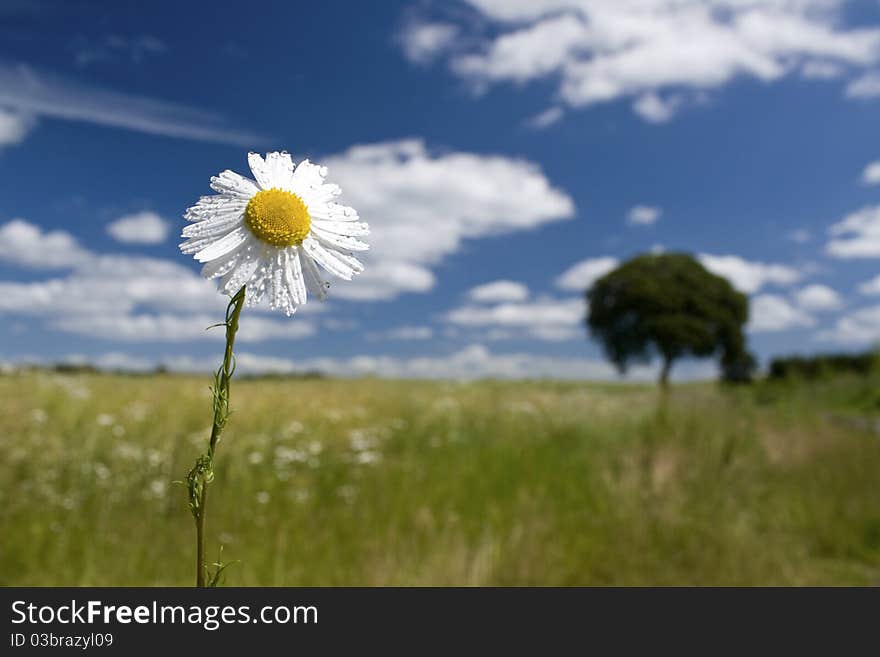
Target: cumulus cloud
(770, 312)
(871, 174)
(643, 215)
(14, 127)
(821, 70)
(749, 276)
(22, 243)
(871, 287)
(653, 50)
(404, 333)
(656, 109)
(424, 41)
(543, 319)
(818, 298)
(421, 207)
(857, 235)
(114, 297)
(499, 291)
(139, 228)
(865, 87)
(164, 327)
(859, 327)
(583, 274)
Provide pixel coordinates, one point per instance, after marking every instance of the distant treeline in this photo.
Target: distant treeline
(823, 365)
(86, 368)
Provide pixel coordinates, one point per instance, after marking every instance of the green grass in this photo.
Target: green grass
(418, 483)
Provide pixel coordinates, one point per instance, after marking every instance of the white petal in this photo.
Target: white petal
(327, 259)
(224, 265)
(351, 261)
(314, 282)
(216, 206)
(223, 245)
(280, 168)
(230, 183)
(339, 241)
(233, 281)
(349, 228)
(275, 171)
(333, 212)
(319, 195)
(196, 244)
(294, 274)
(280, 297)
(259, 280)
(308, 177)
(213, 227)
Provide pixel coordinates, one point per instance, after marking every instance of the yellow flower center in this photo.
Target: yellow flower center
(277, 217)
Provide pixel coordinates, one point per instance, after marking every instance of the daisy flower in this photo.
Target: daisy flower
(274, 234)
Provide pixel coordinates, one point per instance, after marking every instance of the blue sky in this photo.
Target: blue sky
(505, 153)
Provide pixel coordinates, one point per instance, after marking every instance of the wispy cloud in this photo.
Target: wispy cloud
(113, 47)
(38, 93)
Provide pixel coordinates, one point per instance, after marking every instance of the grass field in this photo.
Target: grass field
(326, 482)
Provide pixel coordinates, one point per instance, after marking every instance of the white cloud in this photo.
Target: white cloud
(385, 280)
(818, 298)
(821, 70)
(643, 215)
(164, 327)
(34, 93)
(422, 206)
(543, 319)
(404, 333)
(526, 53)
(546, 118)
(871, 287)
(602, 50)
(113, 47)
(859, 327)
(14, 127)
(472, 362)
(857, 235)
(422, 42)
(654, 109)
(871, 174)
(139, 228)
(770, 312)
(22, 243)
(583, 274)
(125, 298)
(749, 276)
(800, 236)
(499, 291)
(866, 86)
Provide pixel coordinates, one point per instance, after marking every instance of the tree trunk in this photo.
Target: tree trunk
(664, 372)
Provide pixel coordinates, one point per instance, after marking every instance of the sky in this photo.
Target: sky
(505, 153)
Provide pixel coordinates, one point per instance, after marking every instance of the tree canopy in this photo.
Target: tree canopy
(669, 305)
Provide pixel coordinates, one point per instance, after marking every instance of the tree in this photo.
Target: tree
(669, 305)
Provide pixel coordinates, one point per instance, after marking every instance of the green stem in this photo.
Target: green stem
(203, 472)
